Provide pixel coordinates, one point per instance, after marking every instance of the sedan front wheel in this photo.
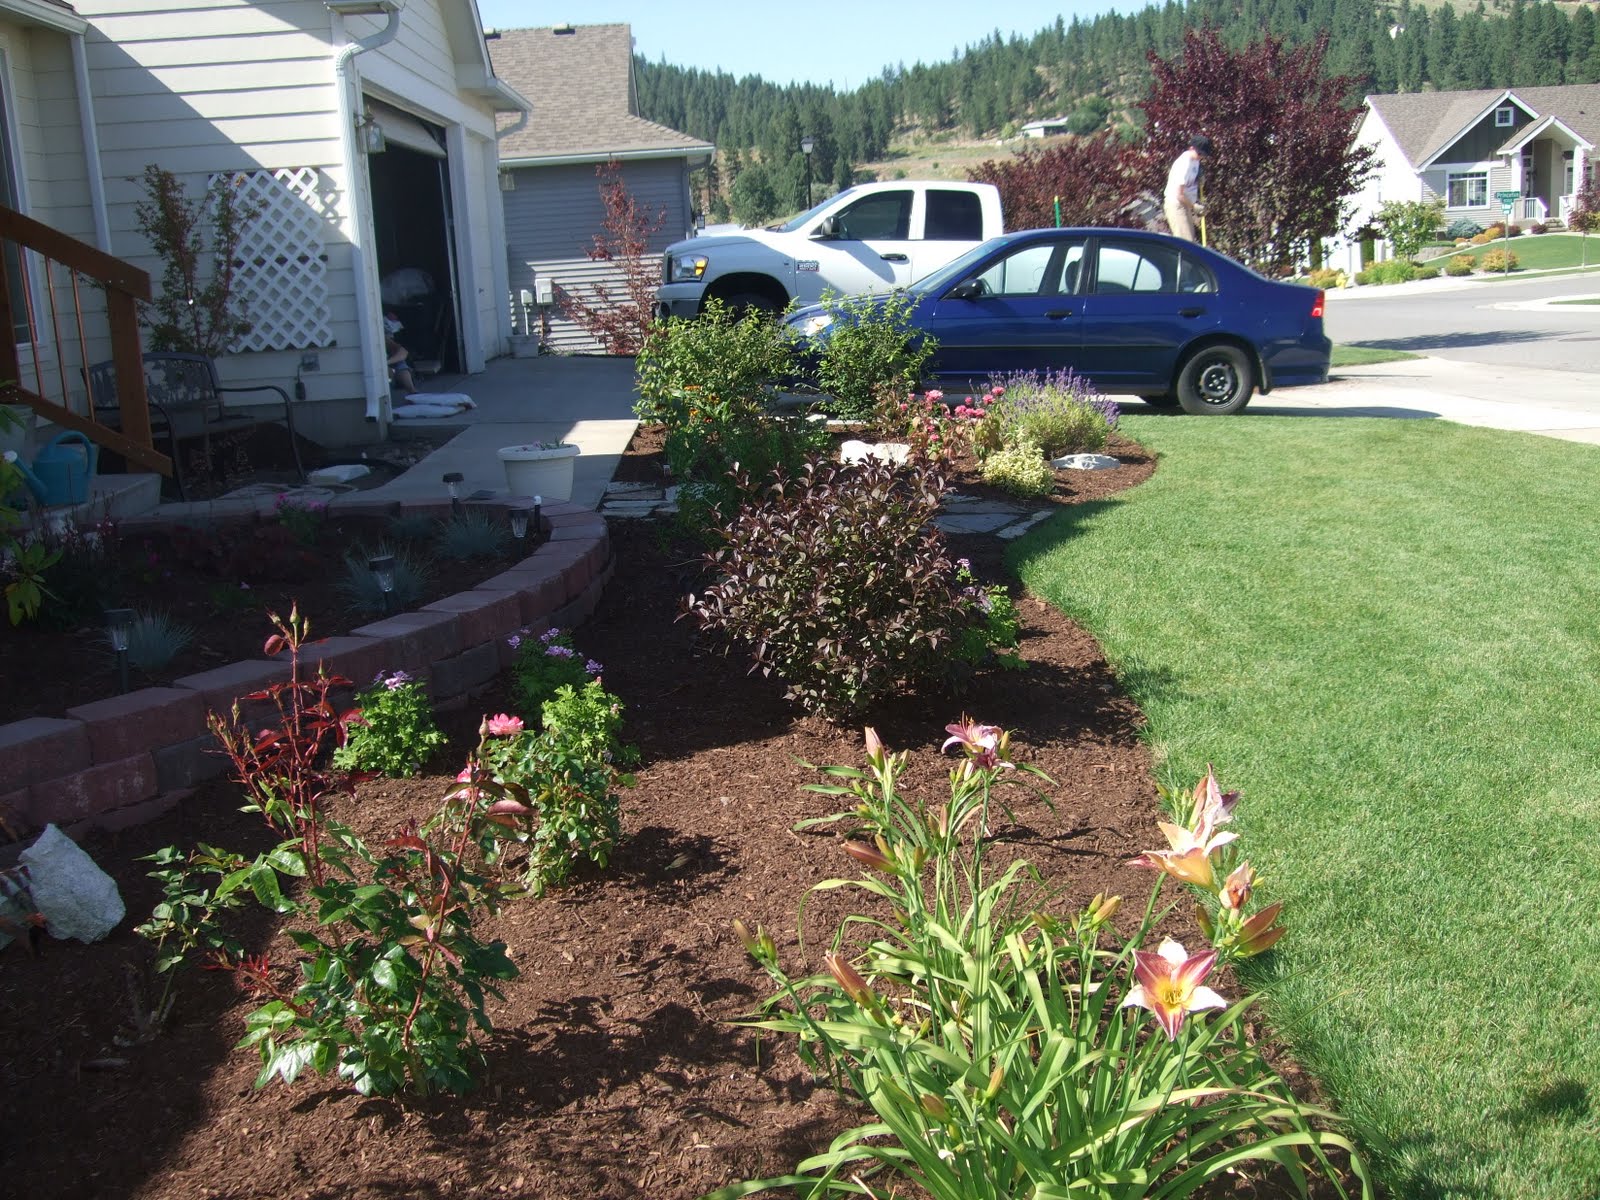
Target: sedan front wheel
(1217, 381)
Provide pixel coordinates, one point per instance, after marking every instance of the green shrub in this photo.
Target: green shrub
(838, 582)
(1498, 260)
(1019, 468)
(1459, 264)
(1409, 225)
(1463, 227)
(869, 345)
(1394, 270)
(713, 362)
(1060, 412)
(543, 665)
(1492, 234)
(1323, 277)
(705, 457)
(1425, 272)
(396, 734)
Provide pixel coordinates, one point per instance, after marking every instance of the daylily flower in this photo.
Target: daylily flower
(850, 980)
(1189, 858)
(504, 725)
(985, 745)
(1213, 806)
(1169, 984)
(1261, 931)
(1236, 891)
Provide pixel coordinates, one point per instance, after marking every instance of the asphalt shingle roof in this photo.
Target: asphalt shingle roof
(580, 83)
(1425, 122)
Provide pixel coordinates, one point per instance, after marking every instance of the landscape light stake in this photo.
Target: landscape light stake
(382, 568)
(452, 483)
(119, 629)
(519, 527)
(538, 521)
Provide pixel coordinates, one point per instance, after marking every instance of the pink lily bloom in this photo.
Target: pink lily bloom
(1169, 984)
(1213, 806)
(984, 744)
(504, 725)
(1236, 890)
(1186, 866)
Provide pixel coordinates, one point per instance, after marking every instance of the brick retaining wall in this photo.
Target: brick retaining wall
(124, 760)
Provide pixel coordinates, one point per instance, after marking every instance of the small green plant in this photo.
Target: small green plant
(1426, 272)
(395, 734)
(412, 527)
(358, 586)
(1324, 277)
(1459, 264)
(836, 581)
(566, 772)
(868, 343)
(1498, 260)
(1060, 412)
(391, 981)
(471, 533)
(304, 519)
(1007, 1052)
(715, 365)
(543, 665)
(1020, 468)
(154, 641)
(1410, 225)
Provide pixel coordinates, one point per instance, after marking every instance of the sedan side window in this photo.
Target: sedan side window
(886, 215)
(1034, 270)
(1137, 267)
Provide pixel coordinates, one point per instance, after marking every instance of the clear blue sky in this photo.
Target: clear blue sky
(799, 40)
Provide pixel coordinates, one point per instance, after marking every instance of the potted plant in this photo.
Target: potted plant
(540, 469)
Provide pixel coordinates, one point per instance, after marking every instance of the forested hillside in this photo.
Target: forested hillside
(1093, 71)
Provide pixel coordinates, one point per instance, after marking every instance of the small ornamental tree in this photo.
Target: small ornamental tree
(1094, 178)
(619, 322)
(1284, 137)
(1585, 214)
(1410, 224)
(199, 310)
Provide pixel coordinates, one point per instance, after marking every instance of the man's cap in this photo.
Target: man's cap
(1202, 144)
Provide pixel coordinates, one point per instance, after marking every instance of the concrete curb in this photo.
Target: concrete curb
(125, 760)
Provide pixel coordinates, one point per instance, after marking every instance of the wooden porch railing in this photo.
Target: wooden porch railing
(50, 319)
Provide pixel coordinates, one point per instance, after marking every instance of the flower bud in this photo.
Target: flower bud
(870, 856)
(935, 1107)
(1236, 891)
(996, 1078)
(1261, 931)
(850, 980)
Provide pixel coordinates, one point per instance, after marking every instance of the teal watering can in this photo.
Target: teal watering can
(62, 470)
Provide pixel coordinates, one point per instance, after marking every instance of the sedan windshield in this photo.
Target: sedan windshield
(954, 272)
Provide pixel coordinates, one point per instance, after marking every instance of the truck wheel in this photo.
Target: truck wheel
(1217, 381)
(740, 303)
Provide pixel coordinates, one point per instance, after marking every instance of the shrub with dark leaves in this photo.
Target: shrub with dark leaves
(838, 583)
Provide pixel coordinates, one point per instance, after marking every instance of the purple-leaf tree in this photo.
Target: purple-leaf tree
(1093, 177)
(619, 322)
(1284, 142)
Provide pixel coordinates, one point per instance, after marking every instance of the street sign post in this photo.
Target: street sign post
(1508, 205)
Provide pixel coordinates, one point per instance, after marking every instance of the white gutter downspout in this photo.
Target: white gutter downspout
(374, 365)
(91, 143)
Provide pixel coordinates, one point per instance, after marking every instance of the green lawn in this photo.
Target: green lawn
(1547, 251)
(1361, 356)
(1387, 633)
(1589, 301)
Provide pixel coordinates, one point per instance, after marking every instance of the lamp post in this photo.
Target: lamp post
(382, 568)
(807, 145)
(119, 629)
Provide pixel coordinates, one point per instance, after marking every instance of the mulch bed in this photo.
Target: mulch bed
(614, 1071)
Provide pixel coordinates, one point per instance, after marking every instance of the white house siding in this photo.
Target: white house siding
(1392, 179)
(53, 187)
(202, 86)
(555, 212)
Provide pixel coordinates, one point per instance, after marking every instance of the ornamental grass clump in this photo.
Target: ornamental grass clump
(388, 988)
(395, 733)
(836, 580)
(1007, 1051)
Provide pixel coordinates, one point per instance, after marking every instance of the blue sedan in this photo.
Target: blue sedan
(1137, 313)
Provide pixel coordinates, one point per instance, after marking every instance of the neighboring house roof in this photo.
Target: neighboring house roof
(1425, 123)
(580, 82)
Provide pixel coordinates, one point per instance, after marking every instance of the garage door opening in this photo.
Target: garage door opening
(412, 230)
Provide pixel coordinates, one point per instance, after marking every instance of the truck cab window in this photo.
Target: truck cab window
(953, 217)
(885, 215)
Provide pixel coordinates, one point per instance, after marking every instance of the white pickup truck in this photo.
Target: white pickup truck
(869, 238)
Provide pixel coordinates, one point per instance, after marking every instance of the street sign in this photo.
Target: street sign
(1508, 197)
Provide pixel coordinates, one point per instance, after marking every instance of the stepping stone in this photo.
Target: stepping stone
(1085, 462)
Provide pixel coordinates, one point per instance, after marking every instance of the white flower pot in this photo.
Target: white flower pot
(532, 471)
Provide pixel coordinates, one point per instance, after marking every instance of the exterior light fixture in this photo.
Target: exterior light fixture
(519, 525)
(508, 181)
(382, 568)
(119, 631)
(538, 521)
(807, 145)
(371, 134)
(452, 483)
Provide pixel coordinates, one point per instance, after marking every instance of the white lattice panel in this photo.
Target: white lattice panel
(281, 267)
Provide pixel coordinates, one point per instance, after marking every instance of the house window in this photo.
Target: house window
(10, 196)
(1468, 190)
(1505, 117)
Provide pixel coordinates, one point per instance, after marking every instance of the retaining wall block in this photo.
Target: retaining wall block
(357, 659)
(123, 726)
(187, 763)
(463, 673)
(84, 795)
(487, 614)
(221, 686)
(414, 641)
(126, 817)
(41, 748)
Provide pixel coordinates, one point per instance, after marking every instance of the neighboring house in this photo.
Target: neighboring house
(1045, 127)
(365, 129)
(585, 115)
(1465, 147)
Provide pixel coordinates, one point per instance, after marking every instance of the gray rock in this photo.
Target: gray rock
(76, 898)
(856, 450)
(1085, 462)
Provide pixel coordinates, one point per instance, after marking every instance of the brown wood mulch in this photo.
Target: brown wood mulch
(615, 1070)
